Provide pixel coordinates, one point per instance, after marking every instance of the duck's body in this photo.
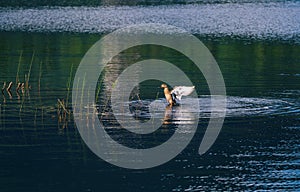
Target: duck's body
(168, 95)
(176, 93)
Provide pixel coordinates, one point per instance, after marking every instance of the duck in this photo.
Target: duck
(176, 93)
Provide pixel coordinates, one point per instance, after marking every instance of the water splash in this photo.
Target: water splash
(236, 107)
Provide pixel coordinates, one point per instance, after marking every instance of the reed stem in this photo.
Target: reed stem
(29, 72)
(3, 88)
(62, 105)
(19, 66)
(69, 85)
(9, 86)
(40, 77)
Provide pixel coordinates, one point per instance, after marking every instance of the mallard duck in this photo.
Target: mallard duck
(176, 93)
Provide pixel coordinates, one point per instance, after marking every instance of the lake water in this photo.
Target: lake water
(257, 149)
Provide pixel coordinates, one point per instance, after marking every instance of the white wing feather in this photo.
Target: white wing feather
(180, 91)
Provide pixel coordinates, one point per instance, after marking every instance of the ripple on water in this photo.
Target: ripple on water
(241, 106)
(236, 107)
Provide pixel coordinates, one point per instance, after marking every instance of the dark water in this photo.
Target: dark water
(257, 149)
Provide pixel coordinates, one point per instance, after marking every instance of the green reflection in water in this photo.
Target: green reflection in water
(36, 152)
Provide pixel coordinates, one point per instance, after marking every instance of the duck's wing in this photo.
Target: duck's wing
(180, 91)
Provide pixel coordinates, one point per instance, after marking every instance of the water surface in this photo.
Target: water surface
(257, 149)
(252, 20)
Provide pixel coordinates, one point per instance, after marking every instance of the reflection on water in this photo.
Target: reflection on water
(252, 20)
(35, 3)
(236, 107)
(186, 113)
(257, 149)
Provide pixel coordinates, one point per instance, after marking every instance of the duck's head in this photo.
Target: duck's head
(164, 86)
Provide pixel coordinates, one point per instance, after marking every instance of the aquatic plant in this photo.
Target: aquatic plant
(19, 65)
(27, 77)
(9, 86)
(3, 88)
(69, 82)
(63, 114)
(40, 77)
